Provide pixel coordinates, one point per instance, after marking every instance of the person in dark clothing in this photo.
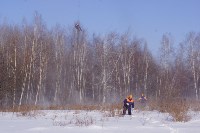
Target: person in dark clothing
(142, 99)
(128, 105)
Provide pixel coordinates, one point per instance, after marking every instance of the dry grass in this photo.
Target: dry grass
(112, 110)
(24, 108)
(177, 108)
(108, 110)
(194, 105)
(83, 107)
(25, 111)
(153, 105)
(76, 120)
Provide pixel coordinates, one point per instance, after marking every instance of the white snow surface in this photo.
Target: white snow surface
(71, 121)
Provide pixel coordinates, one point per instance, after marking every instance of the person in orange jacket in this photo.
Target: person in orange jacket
(128, 105)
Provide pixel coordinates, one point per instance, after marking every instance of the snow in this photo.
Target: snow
(62, 121)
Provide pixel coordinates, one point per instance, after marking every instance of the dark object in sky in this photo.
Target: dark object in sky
(77, 26)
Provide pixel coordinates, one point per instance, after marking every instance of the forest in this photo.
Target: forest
(59, 66)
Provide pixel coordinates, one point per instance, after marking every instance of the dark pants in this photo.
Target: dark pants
(125, 108)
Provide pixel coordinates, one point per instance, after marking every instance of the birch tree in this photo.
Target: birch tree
(193, 57)
(166, 81)
(59, 58)
(79, 45)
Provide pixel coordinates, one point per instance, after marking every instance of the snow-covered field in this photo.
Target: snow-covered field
(68, 121)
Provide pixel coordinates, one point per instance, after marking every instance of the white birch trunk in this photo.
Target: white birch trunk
(15, 78)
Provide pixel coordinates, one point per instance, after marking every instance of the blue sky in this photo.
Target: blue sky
(148, 19)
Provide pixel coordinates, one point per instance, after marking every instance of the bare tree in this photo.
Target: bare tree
(193, 55)
(166, 82)
(146, 63)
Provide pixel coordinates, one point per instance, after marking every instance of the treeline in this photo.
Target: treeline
(58, 66)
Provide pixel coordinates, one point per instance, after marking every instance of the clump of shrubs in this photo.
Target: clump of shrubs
(176, 107)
